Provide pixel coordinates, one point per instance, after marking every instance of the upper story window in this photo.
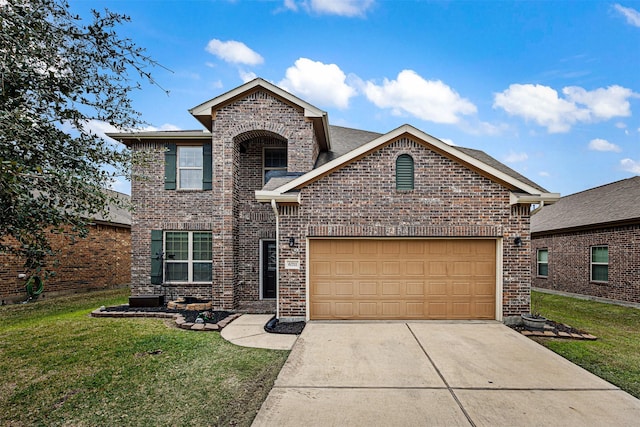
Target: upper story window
(543, 262)
(187, 167)
(599, 263)
(404, 172)
(190, 168)
(274, 162)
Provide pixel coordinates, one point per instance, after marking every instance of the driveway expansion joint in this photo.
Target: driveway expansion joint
(451, 390)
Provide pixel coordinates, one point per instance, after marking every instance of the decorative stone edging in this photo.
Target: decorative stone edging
(179, 319)
(552, 334)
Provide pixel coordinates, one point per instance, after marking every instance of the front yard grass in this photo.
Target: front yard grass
(58, 366)
(615, 356)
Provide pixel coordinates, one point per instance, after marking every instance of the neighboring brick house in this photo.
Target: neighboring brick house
(589, 242)
(272, 204)
(101, 260)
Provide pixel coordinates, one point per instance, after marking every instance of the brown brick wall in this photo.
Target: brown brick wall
(254, 121)
(101, 260)
(169, 210)
(449, 200)
(570, 262)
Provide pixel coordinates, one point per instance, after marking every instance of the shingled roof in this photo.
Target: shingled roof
(607, 205)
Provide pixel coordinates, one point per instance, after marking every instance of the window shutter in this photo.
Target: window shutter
(156, 257)
(404, 172)
(206, 166)
(170, 167)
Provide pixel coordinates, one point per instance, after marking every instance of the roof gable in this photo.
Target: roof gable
(605, 205)
(492, 172)
(204, 112)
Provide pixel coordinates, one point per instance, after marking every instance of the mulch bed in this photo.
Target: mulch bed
(213, 316)
(190, 316)
(274, 326)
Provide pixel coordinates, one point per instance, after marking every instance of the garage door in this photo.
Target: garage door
(402, 279)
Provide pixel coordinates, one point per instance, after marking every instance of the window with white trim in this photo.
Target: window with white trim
(600, 263)
(274, 162)
(188, 256)
(189, 167)
(543, 262)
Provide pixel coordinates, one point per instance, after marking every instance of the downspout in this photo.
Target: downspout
(274, 206)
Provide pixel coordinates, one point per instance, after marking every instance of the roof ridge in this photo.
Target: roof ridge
(600, 186)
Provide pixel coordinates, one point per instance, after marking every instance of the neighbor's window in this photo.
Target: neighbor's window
(600, 264)
(543, 262)
(274, 162)
(190, 168)
(188, 256)
(404, 172)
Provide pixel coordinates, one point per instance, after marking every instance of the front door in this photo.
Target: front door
(269, 262)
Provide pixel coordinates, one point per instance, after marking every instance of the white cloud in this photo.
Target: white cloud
(514, 157)
(430, 100)
(121, 185)
(632, 15)
(348, 8)
(448, 141)
(316, 82)
(247, 76)
(542, 104)
(234, 51)
(544, 173)
(602, 103)
(630, 166)
(621, 125)
(599, 144)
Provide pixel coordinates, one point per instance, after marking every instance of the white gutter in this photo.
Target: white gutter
(274, 206)
(541, 199)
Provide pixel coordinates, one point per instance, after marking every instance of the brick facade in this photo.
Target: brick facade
(570, 262)
(449, 200)
(358, 199)
(99, 261)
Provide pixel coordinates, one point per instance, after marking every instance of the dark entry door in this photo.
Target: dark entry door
(269, 269)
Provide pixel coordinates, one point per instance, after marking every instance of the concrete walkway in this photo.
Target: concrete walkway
(436, 374)
(248, 331)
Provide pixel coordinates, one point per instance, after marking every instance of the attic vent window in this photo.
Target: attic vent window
(404, 172)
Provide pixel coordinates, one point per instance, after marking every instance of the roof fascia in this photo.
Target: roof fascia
(588, 227)
(440, 146)
(129, 137)
(267, 196)
(541, 198)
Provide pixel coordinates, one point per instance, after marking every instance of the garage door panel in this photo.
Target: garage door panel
(344, 268)
(402, 279)
(344, 289)
(367, 289)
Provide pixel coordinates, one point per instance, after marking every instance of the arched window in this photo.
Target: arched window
(404, 172)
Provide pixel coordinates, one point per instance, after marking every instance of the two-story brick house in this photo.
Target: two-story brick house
(271, 206)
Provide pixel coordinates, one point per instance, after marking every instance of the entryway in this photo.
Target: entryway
(268, 269)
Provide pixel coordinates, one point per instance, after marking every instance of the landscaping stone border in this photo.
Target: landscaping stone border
(179, 319)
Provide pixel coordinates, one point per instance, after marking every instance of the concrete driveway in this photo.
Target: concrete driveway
(436, 374)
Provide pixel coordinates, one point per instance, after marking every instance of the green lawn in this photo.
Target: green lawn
(615, 356)
(58, 366)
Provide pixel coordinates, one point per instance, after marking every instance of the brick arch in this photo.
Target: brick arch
(243, 134)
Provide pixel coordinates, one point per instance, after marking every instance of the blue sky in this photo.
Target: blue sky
(552, 89)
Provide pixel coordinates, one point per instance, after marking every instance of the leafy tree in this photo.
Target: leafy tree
(59, 74)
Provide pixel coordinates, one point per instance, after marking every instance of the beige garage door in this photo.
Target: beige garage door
(402, 279)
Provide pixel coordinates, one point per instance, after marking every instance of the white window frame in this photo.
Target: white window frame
(189, 261)
(538, 262)
(592, 263)
(181, 168)
(266, 169)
